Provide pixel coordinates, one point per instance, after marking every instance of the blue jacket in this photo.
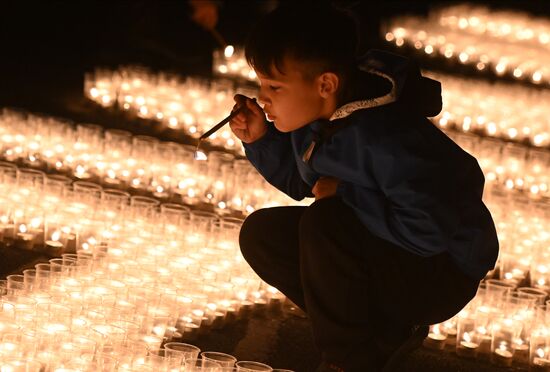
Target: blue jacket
(406, 180)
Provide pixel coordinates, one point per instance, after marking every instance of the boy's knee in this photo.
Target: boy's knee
(251, 233)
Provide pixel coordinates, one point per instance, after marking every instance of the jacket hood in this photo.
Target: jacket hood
(384, 78)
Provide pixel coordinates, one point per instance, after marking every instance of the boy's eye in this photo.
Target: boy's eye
(274, 88)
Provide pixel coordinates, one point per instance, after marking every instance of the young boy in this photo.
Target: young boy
(398, 237)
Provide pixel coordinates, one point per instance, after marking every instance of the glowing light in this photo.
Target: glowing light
(463, 57)
(56, 235)
(228, 51)
(199, 155)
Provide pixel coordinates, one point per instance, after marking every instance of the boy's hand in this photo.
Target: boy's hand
(325, 187)
(249, 125)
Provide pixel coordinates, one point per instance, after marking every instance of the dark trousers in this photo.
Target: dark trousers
(361, 293)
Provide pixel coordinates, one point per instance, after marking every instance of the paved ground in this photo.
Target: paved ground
(284, 341)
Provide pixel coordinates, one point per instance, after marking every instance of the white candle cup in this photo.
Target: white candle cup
(467, 342)
(467, 349)
(16, 284)
(435, 341)
(521, 353)
(7, 232)
(540, 365)
(540, 349)
(24, 241)
(227, 361)
(201, 365)
(251, 366)
(188, 351)
(504, 333)
(54, 248)
(502, 357)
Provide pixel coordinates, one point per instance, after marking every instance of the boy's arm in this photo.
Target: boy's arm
(273, 157)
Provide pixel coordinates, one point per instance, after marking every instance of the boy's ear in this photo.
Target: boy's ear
(328, 84)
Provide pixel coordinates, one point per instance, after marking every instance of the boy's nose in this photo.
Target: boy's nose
(262, 98)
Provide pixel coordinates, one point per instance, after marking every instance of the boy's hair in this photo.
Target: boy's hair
(317, 34)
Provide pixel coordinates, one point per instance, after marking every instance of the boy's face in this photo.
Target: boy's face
(290, 100)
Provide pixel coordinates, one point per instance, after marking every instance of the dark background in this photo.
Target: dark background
(47, 46)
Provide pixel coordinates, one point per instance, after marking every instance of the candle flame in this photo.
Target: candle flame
(540, 352)
(23, 228)
(56, 235)
(36, 222)
(228, 51)
(467, 337)
(199, 155)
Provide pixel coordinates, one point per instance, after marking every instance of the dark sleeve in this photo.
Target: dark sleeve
(273, 157)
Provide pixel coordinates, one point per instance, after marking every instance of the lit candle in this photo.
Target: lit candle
(436, 339)
(53, 246)
(467, 348)
(503, 356)
(24, 239)
(521, 351)
(540, 365)
(152, 341)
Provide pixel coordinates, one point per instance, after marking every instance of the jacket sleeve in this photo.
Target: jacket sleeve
(273, 157)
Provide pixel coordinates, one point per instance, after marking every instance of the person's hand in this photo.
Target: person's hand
(249, 125)
(325, 187)
(204, 13)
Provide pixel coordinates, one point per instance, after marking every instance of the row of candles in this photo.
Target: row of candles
(141, 273)
(497, 109)
(168, 171)
(507, 164)
(522, 223)
(508, 321)
(457, 37)
(82, 354)
(512, 25)
(191, 105)
(132, 274)
(524, 239)
(231, 62)
(142, 164)
(503, 324)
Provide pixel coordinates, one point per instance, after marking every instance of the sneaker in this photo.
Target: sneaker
(418, 334)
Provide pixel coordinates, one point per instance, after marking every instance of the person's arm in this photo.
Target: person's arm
(273, 157)
(269, 150)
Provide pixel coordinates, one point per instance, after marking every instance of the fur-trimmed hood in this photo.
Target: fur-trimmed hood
(385, 78)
